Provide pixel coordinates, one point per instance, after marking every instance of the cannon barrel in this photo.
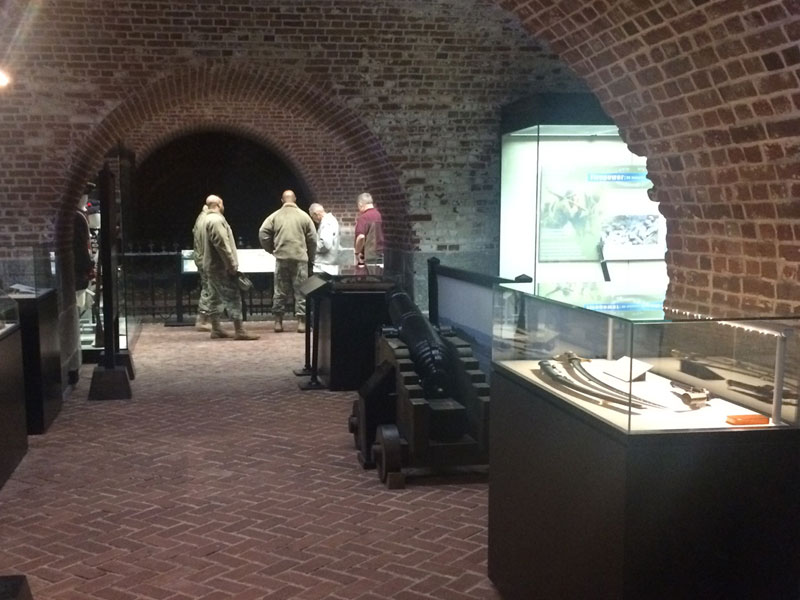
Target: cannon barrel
(432, 357)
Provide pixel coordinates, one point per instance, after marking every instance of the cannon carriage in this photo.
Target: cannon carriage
(425, 406)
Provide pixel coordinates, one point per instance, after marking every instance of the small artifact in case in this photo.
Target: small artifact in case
(747, 420)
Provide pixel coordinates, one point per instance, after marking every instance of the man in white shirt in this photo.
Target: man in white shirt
(327, 235)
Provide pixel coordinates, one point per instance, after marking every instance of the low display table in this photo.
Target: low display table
(38, 315)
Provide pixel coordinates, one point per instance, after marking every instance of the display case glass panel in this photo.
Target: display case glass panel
(90, 303)
(575, 208)
(29, 272)
(643, 374)
(9, 312)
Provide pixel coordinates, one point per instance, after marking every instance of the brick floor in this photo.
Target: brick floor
(221, 479)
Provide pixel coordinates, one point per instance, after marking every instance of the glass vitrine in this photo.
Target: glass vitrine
(624, 363)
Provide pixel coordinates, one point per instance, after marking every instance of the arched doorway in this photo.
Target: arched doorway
(172, 182)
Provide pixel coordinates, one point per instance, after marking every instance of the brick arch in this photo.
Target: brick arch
(196, 95)
(709, 92)
(190, 95)
(328, 170)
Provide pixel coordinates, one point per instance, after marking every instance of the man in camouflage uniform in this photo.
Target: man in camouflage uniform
(221, 263)
(289, 234)
(199, 236)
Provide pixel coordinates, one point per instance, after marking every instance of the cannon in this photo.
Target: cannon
(426, 404)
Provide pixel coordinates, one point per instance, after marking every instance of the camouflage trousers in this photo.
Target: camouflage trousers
(289, 275)
(203, 303)
(224, 294)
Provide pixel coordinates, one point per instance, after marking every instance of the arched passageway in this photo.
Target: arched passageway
(173, 181)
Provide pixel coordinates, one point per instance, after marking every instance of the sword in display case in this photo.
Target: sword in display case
(572, 373)
(551, 370)
(575, 362)
(764, 392)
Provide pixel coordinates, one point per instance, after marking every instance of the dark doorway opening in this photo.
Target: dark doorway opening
(173, 181)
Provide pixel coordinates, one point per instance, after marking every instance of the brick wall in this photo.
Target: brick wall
(709, 91)
(400, 98)
(404, 96)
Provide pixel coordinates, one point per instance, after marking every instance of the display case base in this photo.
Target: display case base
(41, 358)
(14, 587)
(312, 384)
(13, 426)
(579, 509)
(110, 384)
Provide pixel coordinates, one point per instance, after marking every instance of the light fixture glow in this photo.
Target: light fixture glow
(4, 79)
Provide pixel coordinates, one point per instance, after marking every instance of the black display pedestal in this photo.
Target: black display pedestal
(578, 509)
(14, 587)
(38, 316)
(13, 427)
(349, 316)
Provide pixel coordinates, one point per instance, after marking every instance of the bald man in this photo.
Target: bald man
(368, 244)
(221, 264)
(199, 238)
(289, 235)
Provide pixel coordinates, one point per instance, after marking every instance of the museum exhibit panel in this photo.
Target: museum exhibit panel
(29, 279)
(13, 426)
(641, 457)
(574, 199)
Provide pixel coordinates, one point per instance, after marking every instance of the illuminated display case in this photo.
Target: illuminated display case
(643, 375)
(665, 450)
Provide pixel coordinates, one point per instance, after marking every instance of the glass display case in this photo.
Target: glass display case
(29, 280)
(623, 363)
(645, 443)
(128, 322)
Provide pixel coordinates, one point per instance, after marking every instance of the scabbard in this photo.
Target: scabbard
(600, 397)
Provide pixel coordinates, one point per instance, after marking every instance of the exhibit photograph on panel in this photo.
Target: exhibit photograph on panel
(586, 209)
(575, 208)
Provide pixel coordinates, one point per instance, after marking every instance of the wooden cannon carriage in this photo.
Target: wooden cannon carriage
(426, 405)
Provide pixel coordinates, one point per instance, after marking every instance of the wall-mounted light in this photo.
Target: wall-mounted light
(5, 80)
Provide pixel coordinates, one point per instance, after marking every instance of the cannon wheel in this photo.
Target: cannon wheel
(352, 425)
(386, 451)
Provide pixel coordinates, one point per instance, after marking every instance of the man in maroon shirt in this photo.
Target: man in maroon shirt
(369, 232)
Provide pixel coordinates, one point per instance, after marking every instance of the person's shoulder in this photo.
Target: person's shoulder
(213, 218)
